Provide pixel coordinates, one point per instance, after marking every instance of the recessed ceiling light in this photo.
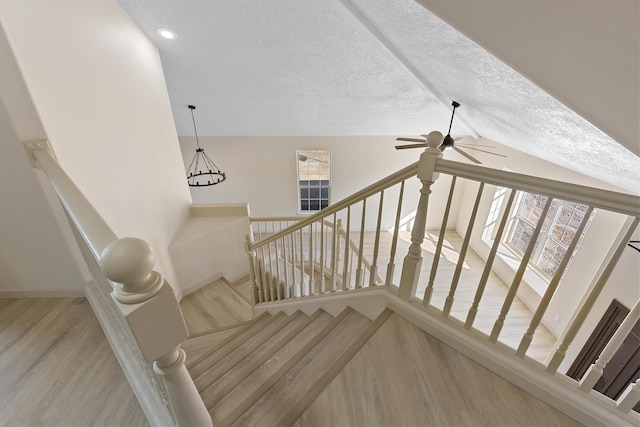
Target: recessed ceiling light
(166, 33)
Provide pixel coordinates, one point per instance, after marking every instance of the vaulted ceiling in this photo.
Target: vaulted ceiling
(392, 67)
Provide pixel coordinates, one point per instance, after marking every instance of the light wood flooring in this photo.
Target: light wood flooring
(57, 368)
(404, 377)
(216, 306)
(519, 316)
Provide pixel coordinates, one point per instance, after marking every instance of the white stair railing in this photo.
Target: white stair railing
(311, 258)
(135, 306)
(428, 170)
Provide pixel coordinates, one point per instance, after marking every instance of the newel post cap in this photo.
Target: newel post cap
(128, 261)
(426, 167)
(434, 139)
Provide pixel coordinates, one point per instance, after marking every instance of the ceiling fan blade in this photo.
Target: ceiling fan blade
(484, 151)
(412, 140)
(458, 138)
(483, 146)
(473, 159)
(402, 147)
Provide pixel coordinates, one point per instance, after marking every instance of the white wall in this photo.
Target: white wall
(209, 248)
(35, 255)
(262, 171)
(97, 84)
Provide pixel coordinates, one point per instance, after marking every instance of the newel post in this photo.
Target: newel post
(153, 314)
(427, 175)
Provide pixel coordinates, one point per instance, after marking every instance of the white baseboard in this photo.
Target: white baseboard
(49, 293)
(191, 289)
(244, 277)
(184, 292)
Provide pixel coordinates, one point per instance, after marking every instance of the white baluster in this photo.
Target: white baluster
(271, 290)
(346, 271)
(427, 175)
(473, 311)
(279, 280)
(255, 295)
(263, 290)
(602, 276)
(312, 260)
(629, 397)
(394, 242)
(553, 285)
(359, 270)
(303, 292)
(289, 275)
(594, 372)
(322, 257)
(153, 314)
(461, 256)
(334, 253)
(515, 284)
(373, 272)
(294, 263)
(426, 299)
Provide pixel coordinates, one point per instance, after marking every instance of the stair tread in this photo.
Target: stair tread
(216, 369)
(267, 360)
(197, 346)
(200, 365)
(238, 400)
(307, 398)
(274, 404)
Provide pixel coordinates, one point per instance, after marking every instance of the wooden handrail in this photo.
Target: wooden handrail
(598, 198)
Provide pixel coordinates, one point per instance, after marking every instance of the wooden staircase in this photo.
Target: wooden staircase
(270, 370)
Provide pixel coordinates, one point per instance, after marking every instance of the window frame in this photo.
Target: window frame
(537, 260)
(317, 187)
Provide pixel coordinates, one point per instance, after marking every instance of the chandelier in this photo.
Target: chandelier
(202, 171)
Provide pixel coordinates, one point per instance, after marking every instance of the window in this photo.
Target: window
(314, 170)
(558, 230)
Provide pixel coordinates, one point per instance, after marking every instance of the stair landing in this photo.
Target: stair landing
(404, 377)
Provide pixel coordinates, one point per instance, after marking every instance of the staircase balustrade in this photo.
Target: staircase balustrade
(318, 258)
(335, 252)
(314, 236)
(135, 306)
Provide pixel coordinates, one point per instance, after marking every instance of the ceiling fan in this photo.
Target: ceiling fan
(448, 142)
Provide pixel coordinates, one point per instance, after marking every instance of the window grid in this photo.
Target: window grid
(558, 229)
(313, 180)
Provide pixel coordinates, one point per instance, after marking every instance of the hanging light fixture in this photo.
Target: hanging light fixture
(196, 176)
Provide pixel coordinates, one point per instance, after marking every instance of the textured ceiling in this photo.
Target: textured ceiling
(359, 67)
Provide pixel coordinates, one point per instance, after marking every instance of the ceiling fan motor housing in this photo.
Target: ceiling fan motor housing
(448, 141)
